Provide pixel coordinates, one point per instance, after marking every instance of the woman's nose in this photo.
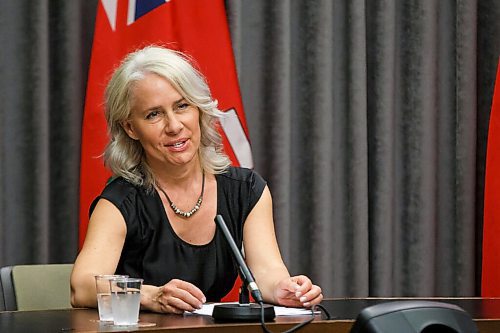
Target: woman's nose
(173, 125)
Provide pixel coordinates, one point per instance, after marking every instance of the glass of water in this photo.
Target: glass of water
(103, 289)
(125, 300)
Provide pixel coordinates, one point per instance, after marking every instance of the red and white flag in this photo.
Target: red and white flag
(196, 27)
(490, 286)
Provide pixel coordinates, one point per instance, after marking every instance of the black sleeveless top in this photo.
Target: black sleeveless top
(154, 252)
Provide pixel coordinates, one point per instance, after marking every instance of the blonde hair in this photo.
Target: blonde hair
(124, 156)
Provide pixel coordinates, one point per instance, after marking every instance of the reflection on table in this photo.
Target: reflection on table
(485, 312)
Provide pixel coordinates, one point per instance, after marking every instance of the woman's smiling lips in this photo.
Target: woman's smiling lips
(177, 145)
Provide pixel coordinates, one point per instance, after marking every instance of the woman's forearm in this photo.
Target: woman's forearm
(269, 281)
(83, 292)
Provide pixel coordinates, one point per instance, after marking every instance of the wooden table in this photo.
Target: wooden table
(484, 311)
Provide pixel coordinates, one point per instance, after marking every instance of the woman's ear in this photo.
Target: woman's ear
(129, 129)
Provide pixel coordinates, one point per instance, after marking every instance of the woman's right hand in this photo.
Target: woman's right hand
(178, 296)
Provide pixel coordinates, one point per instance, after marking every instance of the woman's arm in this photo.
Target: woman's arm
(264, 259)
(100, 253)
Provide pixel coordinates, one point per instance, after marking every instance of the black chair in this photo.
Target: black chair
(8, 296)
(2, 298)
(35, 287)
(414, 317)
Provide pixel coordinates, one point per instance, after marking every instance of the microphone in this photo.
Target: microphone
(245, 271)
(241, 312)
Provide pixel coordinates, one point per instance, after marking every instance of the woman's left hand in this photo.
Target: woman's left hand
(297, 291)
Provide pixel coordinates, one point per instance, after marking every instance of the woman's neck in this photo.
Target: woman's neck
(177, 176)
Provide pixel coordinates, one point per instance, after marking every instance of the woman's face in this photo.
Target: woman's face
(165, 124)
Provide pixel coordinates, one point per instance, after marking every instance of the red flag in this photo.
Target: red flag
(490, 286)
(196, 27)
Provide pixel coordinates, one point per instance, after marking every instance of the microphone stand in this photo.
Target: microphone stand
(244, 310)
(244, 295)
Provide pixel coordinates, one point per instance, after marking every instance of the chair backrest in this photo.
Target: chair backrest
(36, 287)
(414, 317)
(2, 298)
(9, 298)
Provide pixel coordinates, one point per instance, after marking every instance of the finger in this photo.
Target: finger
(312, 302)
(191, 289)
(178, 294)
(289, 285)
(163, 307)
(290, 302)
(312, 297)
(182, 301)
(313, 292)
(169, 308)
(304, 283)
(285, 290)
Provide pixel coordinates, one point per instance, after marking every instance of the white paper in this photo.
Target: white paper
(207, 310)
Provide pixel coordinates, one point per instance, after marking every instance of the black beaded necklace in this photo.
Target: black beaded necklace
(196, 206)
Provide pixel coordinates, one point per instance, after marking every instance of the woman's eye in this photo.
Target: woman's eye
(182, 106)
(152, 115)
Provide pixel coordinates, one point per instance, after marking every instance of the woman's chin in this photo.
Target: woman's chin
(183, 159)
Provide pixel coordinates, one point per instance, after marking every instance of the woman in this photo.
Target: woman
(155, 220)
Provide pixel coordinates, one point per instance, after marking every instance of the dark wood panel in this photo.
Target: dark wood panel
(486, 313)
